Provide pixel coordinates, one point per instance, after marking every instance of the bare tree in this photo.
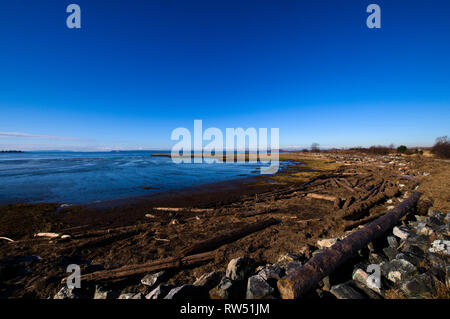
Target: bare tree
(442, 147)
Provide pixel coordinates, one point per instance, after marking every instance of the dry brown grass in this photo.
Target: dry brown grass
(436, 185)
(303, 168)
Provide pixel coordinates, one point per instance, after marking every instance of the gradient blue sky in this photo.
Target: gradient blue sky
(138, 69)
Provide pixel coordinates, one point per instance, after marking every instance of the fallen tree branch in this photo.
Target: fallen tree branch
(7, 239)
(229, 237)
(322, 264)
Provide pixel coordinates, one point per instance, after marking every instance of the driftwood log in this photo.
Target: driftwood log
(230, 236)
(48, 235)
(321, 265)
(322, 196)
(154, 266)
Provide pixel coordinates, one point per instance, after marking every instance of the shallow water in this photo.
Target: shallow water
(70, 177)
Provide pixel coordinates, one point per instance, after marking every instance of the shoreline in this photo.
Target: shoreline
(152, 190)
(302, 197)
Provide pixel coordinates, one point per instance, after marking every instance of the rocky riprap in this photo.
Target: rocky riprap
(413, 260)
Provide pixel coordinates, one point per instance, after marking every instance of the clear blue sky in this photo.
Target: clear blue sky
(138, 69)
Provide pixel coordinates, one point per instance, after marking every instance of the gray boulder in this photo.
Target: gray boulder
(102, 293)
(420, 286)
(67, 293)
(258, 288)
(440, 247)
(413, 259)
(272, 272)
(437, 215)
(398, 270)
(401, 232)
(345, 291)
(392, 241)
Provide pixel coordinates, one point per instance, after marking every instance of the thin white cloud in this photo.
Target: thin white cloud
(27, 135)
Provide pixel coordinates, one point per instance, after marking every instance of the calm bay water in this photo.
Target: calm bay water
(71, 177)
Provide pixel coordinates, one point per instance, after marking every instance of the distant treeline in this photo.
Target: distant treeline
(374, 150)
(11, 151)
(386, 150)
(442, 147)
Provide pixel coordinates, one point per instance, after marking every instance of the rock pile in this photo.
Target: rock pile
(414, 263)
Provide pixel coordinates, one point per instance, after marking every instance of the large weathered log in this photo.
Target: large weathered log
(321, 265)
(153, 266)
(230, 236)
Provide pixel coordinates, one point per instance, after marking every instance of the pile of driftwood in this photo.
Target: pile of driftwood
(197, 254)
